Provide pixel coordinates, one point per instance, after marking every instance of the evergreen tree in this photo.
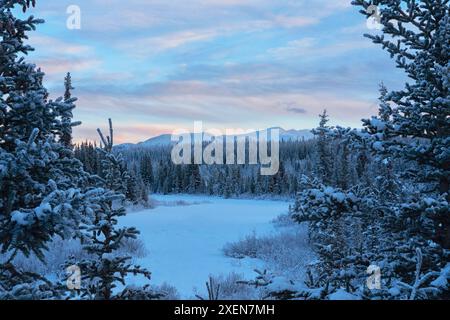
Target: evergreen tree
(414, 123)
(147, 171)
(66, 121)
(324, 161)
(343, 166)
(41, 182)
(103, 238)
(87, 153)
(135, 188)
(397, 223)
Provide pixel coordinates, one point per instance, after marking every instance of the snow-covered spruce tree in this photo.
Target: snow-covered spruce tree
(107, 268)
(87, 153)
(336, 220)
(121, 179)
(137, 191)
(66, 121)
(324, 161)
(414, 123)
(353, 229)
(146, 171)
(40, 180)
(114, 171)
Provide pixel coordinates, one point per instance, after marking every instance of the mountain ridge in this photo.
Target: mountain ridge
(165, 139)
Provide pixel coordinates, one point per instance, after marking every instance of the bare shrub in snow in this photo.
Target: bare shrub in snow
(229, 287)
(283, 220)
(150, 292)
(169, 291)
(59, 251)
(134, 247)
(286, 252)
(247, 247)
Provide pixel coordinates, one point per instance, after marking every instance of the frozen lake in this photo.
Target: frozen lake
(185, 240)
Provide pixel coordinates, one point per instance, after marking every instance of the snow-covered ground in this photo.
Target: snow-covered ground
(185, 239)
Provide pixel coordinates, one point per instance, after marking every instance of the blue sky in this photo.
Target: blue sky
(157, 65)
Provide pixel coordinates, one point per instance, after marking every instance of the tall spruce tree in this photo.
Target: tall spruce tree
(146, 170)
(414, 123)
(106, 268)
(324, 161)
(403, 226)
(66, 121)
(40, 180)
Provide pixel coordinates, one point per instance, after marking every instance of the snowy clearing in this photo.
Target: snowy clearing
(185, 242)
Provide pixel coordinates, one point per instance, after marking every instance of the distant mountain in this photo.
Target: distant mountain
(295, 135)
(162, 140)
(165, 139)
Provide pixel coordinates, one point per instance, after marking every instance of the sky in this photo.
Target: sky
(157, 65)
